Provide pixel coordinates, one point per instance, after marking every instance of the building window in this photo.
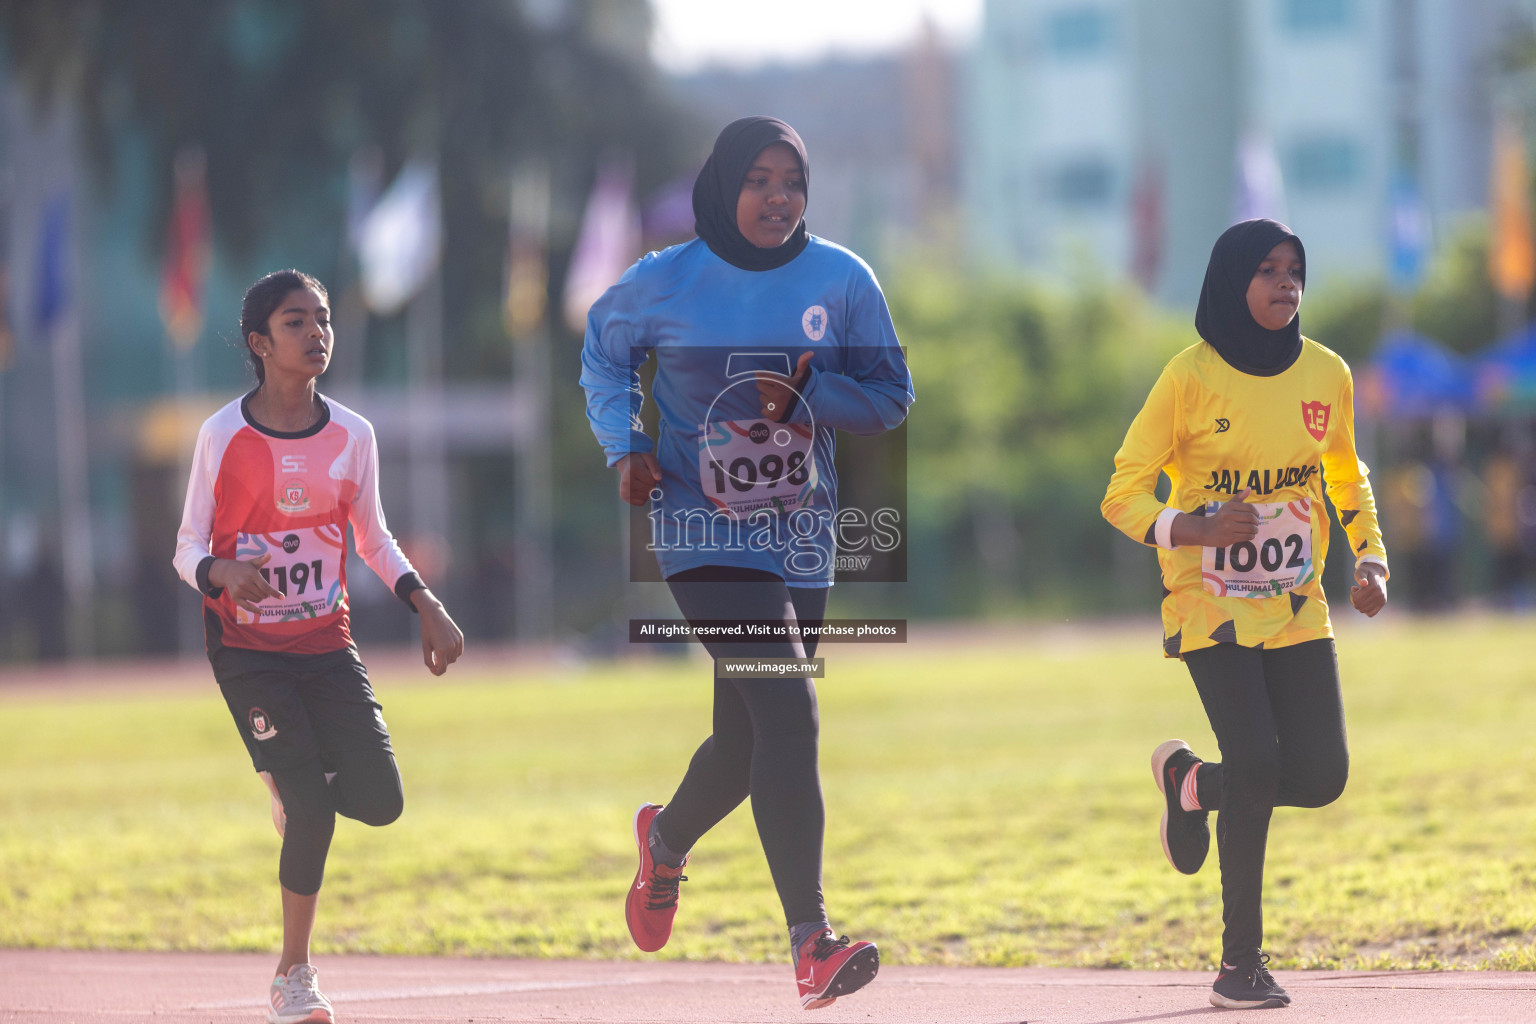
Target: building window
(1076, 31)
(1309, 17)
(1083, 183)
(1323, 165)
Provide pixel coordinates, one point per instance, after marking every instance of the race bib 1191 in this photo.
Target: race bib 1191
(305, 566)
(1279, 559)
(746, 465)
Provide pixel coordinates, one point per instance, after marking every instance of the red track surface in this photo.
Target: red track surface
(55, 987)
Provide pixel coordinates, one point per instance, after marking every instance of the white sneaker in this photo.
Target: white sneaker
(279, 816)
(296, 999)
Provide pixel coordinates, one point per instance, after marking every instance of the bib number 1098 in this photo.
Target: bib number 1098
(744, 473)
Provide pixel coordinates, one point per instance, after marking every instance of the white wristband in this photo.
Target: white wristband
(1162, 530)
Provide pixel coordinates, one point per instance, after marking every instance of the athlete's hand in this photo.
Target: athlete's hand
(639, 473)
(1234, 521)
(777, 392)
(1369, 594)
(243, 580)
(441, 641)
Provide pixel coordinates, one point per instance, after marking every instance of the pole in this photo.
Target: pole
(533, 477)
(425, 408)
(76, 548)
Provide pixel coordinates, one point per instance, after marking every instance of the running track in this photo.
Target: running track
(56, 987)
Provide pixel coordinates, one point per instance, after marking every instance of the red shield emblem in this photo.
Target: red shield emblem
(295, 495)
(1315, 416)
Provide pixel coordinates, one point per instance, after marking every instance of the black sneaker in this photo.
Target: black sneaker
(1248, 985)
(1186, 835)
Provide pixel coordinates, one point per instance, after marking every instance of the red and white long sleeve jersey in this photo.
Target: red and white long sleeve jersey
(257, 491)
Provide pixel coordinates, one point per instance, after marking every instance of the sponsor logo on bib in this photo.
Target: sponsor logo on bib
(814, 320)
(1315, 416)
(291, 543)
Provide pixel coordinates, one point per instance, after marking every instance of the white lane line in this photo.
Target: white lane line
(429, 991)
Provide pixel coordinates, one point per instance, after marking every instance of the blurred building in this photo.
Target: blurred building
(1130, 134)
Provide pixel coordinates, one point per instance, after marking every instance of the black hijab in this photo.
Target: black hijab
(718, 186)
(1223, 318)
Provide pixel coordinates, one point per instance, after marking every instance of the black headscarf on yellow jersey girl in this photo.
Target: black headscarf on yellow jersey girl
(1222, 317)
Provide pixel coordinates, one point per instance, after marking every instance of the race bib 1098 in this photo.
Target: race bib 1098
(746, 465)
(1278, 560)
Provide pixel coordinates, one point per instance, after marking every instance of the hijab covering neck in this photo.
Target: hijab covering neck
(718, 186)
(1222, 317)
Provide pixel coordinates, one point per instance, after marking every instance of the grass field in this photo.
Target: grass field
(986, 805)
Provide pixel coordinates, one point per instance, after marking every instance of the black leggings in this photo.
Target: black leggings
(764, 740)
(366, 788)
(1278, 717)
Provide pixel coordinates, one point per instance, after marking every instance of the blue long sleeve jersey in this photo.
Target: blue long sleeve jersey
(739, 488)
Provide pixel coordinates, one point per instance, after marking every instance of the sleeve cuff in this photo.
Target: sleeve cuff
(800, 398)
(407, 585)
(639, 441)
(203, 583)
(1162, 530)
(1374, 558)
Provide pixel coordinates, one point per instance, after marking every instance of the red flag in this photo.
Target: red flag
(1147, 224)
(187, 251)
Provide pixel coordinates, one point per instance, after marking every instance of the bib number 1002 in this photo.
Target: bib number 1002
(744, 473)
(1271, 556)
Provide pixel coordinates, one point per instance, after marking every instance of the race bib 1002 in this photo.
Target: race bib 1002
(1279, 559)
(305, 566)
(746, 465)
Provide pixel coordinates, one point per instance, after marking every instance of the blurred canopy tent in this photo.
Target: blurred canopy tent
(1413, 377)
(1505, 375)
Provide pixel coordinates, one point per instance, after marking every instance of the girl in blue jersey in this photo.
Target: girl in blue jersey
(767, 339)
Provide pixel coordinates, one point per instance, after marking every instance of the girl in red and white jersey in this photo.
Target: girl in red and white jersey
(276, 478)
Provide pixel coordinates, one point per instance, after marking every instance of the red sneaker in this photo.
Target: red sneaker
(830, 967)
(652, 900)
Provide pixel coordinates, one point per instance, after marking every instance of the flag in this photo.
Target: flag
(1260, 187)
(53, 275)
(1511, 252)
(608, 242)
(527, 285)
(365, 172)
(1147, 224)
(400, 240)
(1410, 231)
(668, 214)
(7, 339)
(187, 251)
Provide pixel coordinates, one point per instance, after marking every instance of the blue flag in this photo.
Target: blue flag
(52, 265)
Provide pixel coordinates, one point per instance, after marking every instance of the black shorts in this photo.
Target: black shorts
(291, 708)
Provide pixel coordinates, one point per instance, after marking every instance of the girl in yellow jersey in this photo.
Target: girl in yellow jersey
(1250, 425)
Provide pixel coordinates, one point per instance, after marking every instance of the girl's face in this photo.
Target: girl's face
(1274, 294)
(772, 198)
(298, 339)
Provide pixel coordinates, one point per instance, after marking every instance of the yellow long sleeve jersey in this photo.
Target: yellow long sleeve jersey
(1216, 431)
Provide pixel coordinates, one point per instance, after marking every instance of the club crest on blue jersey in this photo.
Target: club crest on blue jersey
(293, 498)
(814, 321)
